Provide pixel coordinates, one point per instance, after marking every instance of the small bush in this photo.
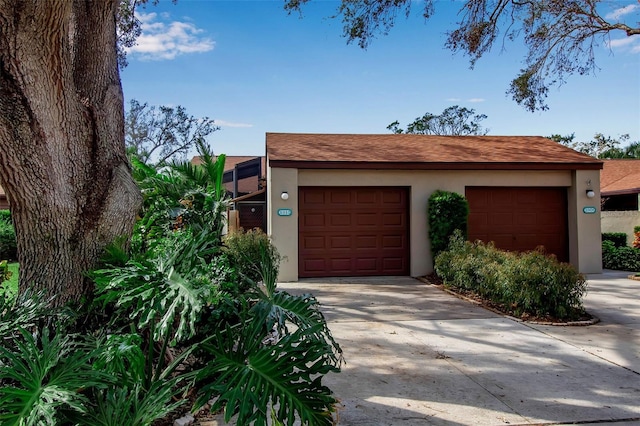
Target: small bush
(619, 239)
(531, 283)
(8, 248)
(447, 211)
(5, 215)
(247, 252)
(620, 258)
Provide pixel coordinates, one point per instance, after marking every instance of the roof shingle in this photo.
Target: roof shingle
(620, 177)
(307, 149)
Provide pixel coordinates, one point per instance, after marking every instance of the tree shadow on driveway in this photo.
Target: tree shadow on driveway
(417, 355)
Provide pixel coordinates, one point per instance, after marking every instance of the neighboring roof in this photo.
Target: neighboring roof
(403, 151)
(231, 161)
(249, 196)
(620, 177)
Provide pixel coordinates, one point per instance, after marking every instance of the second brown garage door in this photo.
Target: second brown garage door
(353, 231)
(520, 219)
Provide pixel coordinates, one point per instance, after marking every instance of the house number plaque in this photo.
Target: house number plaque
(285, 212)
(589, 210)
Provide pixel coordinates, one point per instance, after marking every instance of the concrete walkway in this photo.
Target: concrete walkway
(419, 356)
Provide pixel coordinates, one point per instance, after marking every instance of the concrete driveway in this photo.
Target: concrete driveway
(419, 356)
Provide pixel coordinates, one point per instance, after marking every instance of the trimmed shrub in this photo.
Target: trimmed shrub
(531, 283)
(446, 211)
(620, 258)
(8, 249)
(619, 239)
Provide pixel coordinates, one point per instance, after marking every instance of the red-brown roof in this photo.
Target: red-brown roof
(301, 150)
(230, 161)
(620, 177)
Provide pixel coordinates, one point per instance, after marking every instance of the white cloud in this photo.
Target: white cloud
(223, 123)
(628, 43)
(620, 12)
(167, 40)
(471, 100)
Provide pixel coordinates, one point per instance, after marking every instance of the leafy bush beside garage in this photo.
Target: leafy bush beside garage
(619, 239)
(620, 258)
(523, 284)
(447, 212)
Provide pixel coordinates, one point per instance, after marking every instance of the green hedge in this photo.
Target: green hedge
(5, 215)
(619, 239)
(8, 250)
(447, 211)
(620, 258)
(530, 283)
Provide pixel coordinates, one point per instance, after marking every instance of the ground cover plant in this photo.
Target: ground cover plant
(527, 285)
(177, 320)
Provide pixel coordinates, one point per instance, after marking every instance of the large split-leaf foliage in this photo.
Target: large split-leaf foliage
(182, 316)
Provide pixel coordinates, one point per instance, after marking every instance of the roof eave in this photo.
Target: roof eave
(372, 165)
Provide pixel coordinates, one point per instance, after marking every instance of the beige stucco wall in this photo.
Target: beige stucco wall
(585, 248)
(621, 222)
(284, 229)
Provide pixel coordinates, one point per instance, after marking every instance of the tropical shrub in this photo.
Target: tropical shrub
(174, 312)
(245, 250)
(447, 212)
(620, 258)
(619, 239)
(530, 283)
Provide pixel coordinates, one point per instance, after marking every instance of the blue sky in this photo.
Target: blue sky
(255, 69)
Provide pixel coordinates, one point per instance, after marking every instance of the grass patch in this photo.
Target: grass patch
(11, 285)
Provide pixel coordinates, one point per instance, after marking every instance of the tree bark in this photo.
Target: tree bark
(62, 156)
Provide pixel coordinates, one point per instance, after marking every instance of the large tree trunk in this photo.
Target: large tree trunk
(62, 156)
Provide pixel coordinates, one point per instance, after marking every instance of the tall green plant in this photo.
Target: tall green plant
(260, 366)
(447, 212)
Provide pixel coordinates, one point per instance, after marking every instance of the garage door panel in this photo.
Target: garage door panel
(314, 198)
(395, 219)
(393, 242)
(363, 231)
(314, 242)
(519, 219)
(340, 198)
(366, 264)
(340, 219)
(392, 197)
(366, 197)
(339, 242)
(366, 220)
(366, 241)
(313, 220)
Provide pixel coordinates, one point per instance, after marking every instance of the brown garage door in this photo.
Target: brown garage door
(520, 219)
(353, 231)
